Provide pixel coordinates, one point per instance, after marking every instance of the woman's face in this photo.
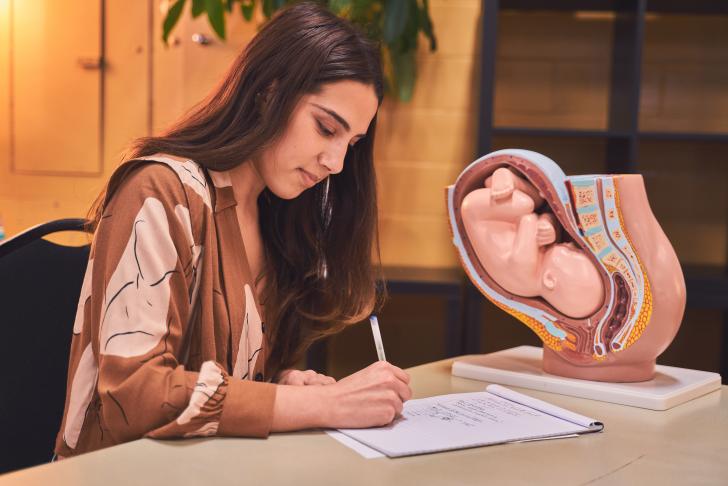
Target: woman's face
(323, 126)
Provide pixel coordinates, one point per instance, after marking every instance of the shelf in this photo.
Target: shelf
(684, 136)
(405, 280)
(560, 5)
(698, 7)
(695, 7)
(646, 135)
(557, 132)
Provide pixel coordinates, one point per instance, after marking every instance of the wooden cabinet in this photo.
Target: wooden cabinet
(73, 92)
(195, 60)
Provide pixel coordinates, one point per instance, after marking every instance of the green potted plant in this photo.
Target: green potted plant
(396, 24)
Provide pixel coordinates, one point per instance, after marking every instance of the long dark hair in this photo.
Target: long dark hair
(319, 247)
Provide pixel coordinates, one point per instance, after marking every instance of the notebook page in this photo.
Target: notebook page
(545, 407)
(461, 420)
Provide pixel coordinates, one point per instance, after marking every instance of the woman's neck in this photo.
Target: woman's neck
(247, 186)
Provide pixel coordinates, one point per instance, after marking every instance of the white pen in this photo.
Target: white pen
(377, 338)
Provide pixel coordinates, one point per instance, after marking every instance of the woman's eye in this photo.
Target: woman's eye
(324, 131)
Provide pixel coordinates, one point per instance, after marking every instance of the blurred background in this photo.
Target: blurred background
(597, 85)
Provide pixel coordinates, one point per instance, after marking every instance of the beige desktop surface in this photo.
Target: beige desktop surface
(684, 445)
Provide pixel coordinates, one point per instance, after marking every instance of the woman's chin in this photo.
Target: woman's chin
(288, 193)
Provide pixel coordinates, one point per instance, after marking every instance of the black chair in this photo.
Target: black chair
(40, 283)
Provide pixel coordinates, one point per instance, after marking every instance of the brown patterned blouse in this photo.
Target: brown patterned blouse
(168, 340)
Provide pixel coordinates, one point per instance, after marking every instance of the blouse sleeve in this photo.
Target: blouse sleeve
(145, 258)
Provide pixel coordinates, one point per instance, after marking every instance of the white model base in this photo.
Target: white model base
(521, 367)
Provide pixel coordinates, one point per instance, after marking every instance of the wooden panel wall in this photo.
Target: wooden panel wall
(552, 70)
(423, 146)
(685, 74)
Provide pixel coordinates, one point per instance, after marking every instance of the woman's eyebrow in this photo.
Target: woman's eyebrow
(338, 118)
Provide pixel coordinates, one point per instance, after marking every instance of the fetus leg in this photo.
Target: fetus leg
(504, 181)
(525, 252)
(479, 205)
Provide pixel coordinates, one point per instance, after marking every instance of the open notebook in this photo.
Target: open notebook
(494, 416)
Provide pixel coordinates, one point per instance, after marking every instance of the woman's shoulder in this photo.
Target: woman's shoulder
(164, 175)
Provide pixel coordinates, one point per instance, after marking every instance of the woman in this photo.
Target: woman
(259, 203)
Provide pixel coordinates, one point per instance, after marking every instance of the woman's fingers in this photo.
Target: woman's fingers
(396, 379)
(307, 377)
(401, 374)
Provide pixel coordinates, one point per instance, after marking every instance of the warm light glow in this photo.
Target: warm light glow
(164, 7)
(606, 15)
(593, 15)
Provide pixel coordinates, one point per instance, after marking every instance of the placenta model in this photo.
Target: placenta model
(581, 260)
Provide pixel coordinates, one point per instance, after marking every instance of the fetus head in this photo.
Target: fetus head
(570, 281)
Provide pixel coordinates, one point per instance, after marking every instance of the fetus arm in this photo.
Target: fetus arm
(549, 230)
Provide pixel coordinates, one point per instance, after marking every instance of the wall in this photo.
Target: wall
(423, 146)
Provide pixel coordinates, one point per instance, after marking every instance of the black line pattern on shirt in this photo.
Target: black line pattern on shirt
(136, 257)
(163, 352)
(123, 414)
(203, 184)
(98, 422)
(168, 272)
(253, 356)
(194, 272)
(124, 334)
(106, 311)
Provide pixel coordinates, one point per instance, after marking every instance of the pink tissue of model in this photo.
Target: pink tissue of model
(581, 260)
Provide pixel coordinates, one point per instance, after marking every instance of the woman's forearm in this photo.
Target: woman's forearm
(299, 407)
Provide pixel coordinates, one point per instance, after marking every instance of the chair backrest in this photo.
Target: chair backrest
(40, 283)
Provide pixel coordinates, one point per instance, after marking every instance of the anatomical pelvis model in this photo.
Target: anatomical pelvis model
(581, 260)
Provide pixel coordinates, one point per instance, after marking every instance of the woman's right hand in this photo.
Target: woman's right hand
(371, 397)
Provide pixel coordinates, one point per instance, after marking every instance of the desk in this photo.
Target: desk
(685, 445)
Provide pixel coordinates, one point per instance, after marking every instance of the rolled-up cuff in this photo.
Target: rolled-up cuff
(248, 409)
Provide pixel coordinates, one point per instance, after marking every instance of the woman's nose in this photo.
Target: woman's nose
(333, 159)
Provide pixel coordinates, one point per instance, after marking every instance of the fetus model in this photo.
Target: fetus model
(581, 260)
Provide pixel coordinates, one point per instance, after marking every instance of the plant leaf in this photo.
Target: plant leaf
(267, 8)
(171, 19)
(247, 7)
(409, 36)
(229, 5)
(395, 19)
(198, 8)
(216, 16)
(405, 73)
(340, 7)
(426, 25)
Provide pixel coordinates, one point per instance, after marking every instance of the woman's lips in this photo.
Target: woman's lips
(309, 180)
